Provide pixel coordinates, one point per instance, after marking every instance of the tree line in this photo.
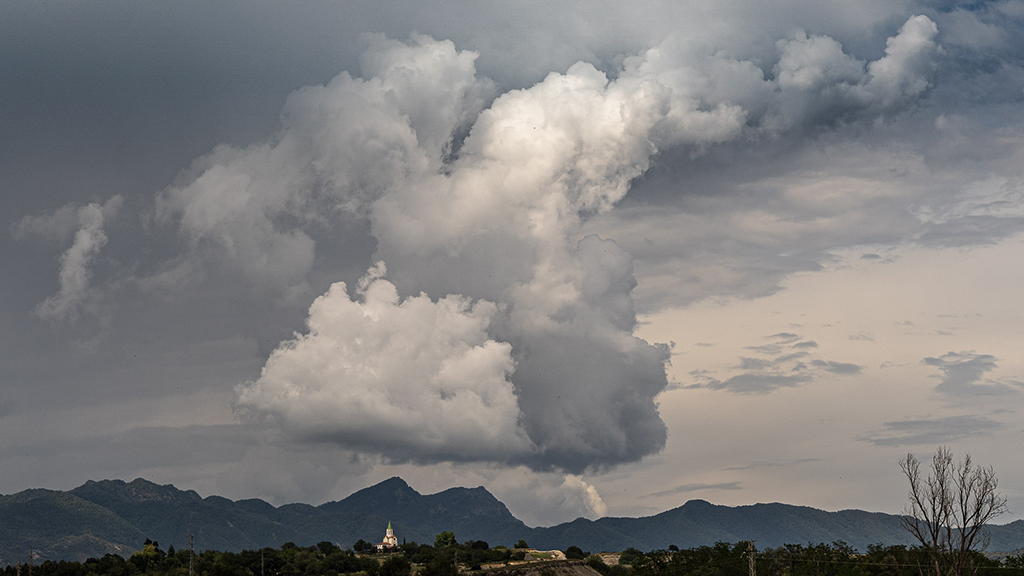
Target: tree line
(327, 559)
(835, 559)
(323, 559)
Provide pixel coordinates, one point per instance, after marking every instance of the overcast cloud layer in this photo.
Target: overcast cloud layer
(556, 251)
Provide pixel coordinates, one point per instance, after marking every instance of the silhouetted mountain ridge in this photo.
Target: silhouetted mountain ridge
(113, 516)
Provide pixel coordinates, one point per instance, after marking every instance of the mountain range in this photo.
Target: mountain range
(113, 516)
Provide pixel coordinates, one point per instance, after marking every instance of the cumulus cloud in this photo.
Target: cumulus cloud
(503, 332)
(815, 82)
(341, 146)
(587, 496)
(771, 147)
(905, 71)
(414, 379)
(84, 225)
(537, 498)
(815, 62)
(495, 224)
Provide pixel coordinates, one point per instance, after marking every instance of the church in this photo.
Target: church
(390, 540)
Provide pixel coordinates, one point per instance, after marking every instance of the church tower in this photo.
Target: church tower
(390, 540)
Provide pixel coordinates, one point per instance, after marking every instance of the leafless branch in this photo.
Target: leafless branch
(947, 510)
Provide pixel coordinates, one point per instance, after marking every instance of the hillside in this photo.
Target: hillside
(113, 516)
(61, 525)
(698, 522)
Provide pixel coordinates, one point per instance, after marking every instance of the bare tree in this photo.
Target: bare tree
(949, 508)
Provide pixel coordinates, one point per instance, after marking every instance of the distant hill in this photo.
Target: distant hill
(61, 525)
(113, 516)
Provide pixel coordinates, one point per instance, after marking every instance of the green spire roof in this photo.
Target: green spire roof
(389, 524)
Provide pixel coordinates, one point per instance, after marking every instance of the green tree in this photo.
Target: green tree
(575, 553)
(396, 565)
(327, 548)
(595, 562)
(445, 540)
(628, 555)
(362, 546)
(439, 567)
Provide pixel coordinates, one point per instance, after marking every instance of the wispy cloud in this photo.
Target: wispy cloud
(771, 464)
(931, 430)
(838, 367)
(695, 487)
(778, 364)
(962, 373)
(755, 363)
(757, 383)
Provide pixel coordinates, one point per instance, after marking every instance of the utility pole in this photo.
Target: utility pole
(31, 553)
(262, 571)
(191, 556)
(752, 557)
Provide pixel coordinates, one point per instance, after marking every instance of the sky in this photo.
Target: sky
(601, 258)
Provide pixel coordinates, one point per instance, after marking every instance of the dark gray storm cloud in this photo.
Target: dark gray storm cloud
(531, 330)
(977, 84)
(233, 457)
(196, 197)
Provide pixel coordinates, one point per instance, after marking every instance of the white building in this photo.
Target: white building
(390, 540)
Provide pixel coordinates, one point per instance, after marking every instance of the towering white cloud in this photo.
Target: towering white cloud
(413, 378)
(583, 496)
(340, 147)
(501, 334)
(905, 70)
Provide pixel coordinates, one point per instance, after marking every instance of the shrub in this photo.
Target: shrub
(575, 553)
(395, 565)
